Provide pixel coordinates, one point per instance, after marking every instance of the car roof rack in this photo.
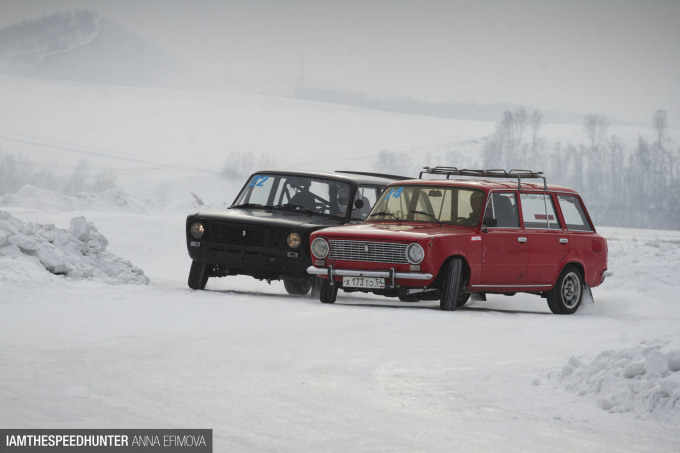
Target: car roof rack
(379, 175)
(492, 173)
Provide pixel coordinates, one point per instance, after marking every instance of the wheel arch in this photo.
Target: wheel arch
(580, 267)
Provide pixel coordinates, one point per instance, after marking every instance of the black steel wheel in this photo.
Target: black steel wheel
(297, 287)
(566, 295)
(198, 275)
(462, 299)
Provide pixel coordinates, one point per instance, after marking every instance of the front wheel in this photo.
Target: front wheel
(198, 275)
(328, 292)
(566, 295)
(297, 287)
(451, 289)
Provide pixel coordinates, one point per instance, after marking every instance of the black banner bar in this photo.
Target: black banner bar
(106, 440)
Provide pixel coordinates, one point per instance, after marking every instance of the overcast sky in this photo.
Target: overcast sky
(619, 57)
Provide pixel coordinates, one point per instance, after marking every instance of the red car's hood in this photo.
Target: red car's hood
(393, 231)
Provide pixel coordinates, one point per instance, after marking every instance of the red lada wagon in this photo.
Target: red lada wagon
(472, 232)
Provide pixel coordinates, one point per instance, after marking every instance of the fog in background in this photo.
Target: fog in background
(618, 58)
(587, 92)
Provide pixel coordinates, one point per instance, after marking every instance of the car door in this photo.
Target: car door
(504, 250)
(546, 240)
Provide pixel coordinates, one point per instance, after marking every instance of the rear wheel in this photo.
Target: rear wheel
(328, 292)
(566, 295)
(198, 275)
(297, 287)
(451, 288)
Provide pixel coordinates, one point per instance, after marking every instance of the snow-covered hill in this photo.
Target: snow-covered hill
(81, 46)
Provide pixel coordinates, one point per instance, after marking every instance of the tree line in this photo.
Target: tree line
(621, 186)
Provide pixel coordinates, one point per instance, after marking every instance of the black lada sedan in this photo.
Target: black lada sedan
(265, 232)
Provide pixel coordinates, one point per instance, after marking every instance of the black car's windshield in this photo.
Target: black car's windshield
(448, 205)
(295, 193)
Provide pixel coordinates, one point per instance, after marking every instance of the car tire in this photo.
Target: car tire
(451, 287)
(198, 275)
(566, 295)
(328, 292)
(297, 287)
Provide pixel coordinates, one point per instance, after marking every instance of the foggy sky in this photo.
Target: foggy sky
(619, 57)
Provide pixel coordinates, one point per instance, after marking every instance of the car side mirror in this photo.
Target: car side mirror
(359, 203)
(490, 222)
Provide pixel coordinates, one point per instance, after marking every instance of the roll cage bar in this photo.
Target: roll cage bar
(493, 173)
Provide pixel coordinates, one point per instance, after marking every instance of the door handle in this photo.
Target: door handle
(521, 240)
(564, 241)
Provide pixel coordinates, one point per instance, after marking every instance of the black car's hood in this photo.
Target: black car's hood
(269, 217)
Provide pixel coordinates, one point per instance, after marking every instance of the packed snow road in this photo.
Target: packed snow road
(272, 372)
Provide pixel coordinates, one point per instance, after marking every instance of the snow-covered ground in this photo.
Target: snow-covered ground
(114, 338)
(272, 372)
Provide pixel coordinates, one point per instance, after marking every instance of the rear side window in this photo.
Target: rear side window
(538, 211)
(573, 213)
(502, 207)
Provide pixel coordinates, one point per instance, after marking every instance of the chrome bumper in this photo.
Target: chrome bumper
(392, 275)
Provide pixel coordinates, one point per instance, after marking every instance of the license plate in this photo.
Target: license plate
(363, 282)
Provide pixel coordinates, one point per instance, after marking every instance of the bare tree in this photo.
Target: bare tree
(596, 128)
(660, 125)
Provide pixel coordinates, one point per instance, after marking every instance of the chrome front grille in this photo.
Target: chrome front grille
(373, 252)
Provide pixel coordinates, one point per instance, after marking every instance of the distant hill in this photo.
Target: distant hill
(82, 46)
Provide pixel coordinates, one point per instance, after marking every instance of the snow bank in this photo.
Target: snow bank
(77, 253)
(643, 380)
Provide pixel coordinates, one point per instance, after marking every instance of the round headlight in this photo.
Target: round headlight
(320, 248)
(415, 253)
(196, 230)
(294, 240)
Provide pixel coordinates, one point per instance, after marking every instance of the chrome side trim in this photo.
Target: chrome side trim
(511, 286)
(330, 272)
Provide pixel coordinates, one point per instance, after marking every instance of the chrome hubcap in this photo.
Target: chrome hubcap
(571, 290)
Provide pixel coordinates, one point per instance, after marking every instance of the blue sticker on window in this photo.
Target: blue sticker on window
(394, 193)
(258, 181)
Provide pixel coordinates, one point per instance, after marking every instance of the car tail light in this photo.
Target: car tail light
(597, 246)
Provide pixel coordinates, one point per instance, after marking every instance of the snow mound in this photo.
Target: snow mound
(107, 200)
(643, 380)
(77, 253)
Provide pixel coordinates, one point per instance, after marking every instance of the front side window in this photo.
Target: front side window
(295, 192)
(538, 211)
(573, 213)
(429, 204)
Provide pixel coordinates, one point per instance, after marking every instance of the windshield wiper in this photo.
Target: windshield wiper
(295, 207)
(251, 205)
(427, 214)
(385, 213)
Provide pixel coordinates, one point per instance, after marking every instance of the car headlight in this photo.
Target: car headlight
(196, 230)
(415, 253)
(294, 240)
(320, 248)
